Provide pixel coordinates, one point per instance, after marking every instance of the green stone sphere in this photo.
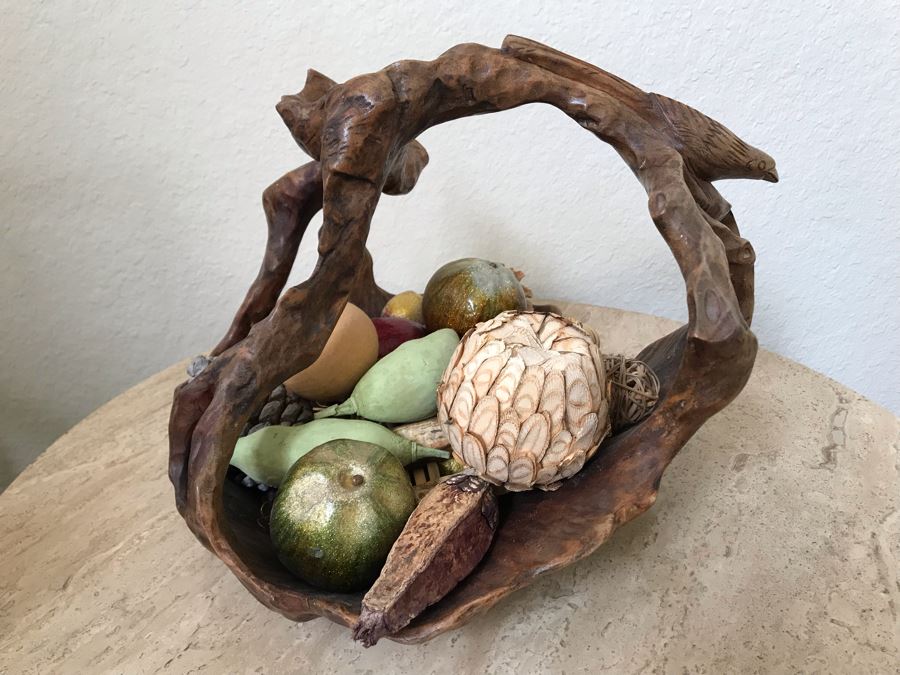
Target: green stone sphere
(338, 512)
(465, 292)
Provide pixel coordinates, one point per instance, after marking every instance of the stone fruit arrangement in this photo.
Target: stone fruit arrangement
(522, 401)
(454, 556)
(386, 369)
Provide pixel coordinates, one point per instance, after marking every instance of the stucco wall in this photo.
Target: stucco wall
(137, 138)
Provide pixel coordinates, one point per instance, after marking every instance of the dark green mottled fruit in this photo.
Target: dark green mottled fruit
(467, 291)
(338, 512)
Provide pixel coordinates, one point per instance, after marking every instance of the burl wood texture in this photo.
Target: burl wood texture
(361, 136)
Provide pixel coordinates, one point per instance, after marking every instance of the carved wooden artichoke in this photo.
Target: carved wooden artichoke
(525, 400)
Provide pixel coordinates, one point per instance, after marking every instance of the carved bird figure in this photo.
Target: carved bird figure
(710, 150)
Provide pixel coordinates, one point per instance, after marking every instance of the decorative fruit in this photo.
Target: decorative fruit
(268, 454)
(467, 291)
(405, 305)
(401, 386)
(448, 467)
(393, 331)
(442, 542)
(351, 350)
(338, 512)
(525, 400)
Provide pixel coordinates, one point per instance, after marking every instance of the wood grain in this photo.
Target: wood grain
(361, 135)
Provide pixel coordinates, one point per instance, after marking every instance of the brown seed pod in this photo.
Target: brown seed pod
(444, 539)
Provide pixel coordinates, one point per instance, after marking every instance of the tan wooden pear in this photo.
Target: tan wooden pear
(525, 400)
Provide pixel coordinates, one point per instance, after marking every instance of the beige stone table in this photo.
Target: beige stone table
(774, 546)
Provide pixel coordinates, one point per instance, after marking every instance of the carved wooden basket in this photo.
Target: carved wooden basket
(361, 136)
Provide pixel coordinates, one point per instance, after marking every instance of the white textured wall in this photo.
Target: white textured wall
(137, 138)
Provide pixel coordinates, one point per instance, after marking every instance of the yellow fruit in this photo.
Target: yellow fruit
(406, 305)
(350, 351)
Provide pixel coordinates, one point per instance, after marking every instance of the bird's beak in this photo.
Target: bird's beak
(771, 175)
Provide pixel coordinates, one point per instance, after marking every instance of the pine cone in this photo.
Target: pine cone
(283, 408)
(525, 400)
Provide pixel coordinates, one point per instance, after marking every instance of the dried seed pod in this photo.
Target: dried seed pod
(457, 380)
(463, 404)
(498, 464)
(534, 435)
(444, 539)
(528, 394)
(560, 446)
(572, 345)
(578, 395)
(485, 420)
(547, 476)
(491, 349)
(508, 430)
(532, 356)
(522, 471)
(549, 329)
(282, 408)
(473, 453)
(487, 373)
(428, 433)
(587, 432)
(553, 400)
(526, 399)
(572, 464)
(508, 381)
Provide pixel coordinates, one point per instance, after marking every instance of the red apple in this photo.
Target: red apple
(393, 331)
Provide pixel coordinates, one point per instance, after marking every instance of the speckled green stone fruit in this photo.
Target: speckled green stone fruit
(338, 512)
(467, 291)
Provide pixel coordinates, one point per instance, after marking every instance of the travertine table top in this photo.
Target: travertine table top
(773, 547)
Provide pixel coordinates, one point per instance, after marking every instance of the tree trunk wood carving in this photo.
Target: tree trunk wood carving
(361, 136)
